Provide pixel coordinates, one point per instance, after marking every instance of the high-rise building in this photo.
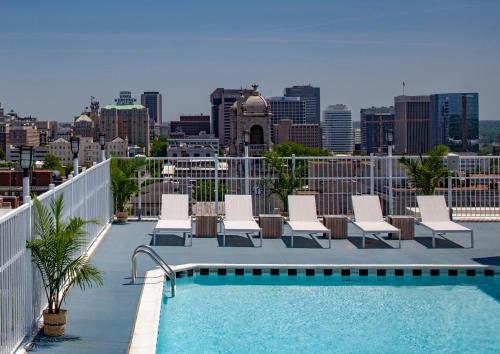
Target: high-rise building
(375, 123)
(453, 117)
(356, 136)
(191, 125)
(46, 130)
(222, 99)
(4, 135)
(24, 135)
(126, 120)
(292, 108)
(412, 128)
(311, 96)
(337, 129)
(308, 135)
(152, 100)
(84, 126)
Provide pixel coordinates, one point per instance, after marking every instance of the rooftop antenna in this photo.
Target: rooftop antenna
(404, 86)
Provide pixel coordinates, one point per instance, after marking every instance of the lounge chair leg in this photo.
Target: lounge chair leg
(260, 235)
(154, 238)
(433, 239)
(292, 239)
(471, 238)
(224, 238)
(329, 239)
(363, 242)
(399, 234)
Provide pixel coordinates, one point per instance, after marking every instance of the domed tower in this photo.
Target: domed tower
(251, 123)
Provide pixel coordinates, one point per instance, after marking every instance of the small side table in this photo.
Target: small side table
(206, 226)
(405, 223)
(272, 225)
(337, 224)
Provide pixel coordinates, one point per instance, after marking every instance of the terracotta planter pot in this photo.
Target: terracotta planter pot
(121, 217)
(54, 323)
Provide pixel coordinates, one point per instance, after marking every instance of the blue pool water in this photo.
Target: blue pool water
(248, 314)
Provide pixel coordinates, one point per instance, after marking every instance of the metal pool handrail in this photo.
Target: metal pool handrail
(169, 272)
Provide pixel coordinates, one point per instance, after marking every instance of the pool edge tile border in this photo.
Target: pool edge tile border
(147, 319)
(145, 336)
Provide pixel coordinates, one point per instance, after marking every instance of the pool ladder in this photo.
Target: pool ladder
(169, 272)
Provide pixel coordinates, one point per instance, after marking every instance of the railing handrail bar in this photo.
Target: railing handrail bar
(169, 272)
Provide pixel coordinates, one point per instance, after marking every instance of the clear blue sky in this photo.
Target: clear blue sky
(55, 54)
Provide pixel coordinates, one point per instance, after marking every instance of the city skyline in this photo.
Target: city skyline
(358, 53)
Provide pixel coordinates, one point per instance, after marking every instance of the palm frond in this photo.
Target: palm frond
(425, 174)
(54, 250)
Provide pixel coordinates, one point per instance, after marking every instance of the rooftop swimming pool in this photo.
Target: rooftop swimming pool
(320, 314)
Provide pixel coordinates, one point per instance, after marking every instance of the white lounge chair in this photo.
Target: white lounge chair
(303, 217)
(174, 216)
(239, 217)
(436, 217)
(368, 217)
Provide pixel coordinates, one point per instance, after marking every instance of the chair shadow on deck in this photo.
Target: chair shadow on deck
(491, 261)
(370, 242)
(168, 240)
(441, 242)
(236, 241)
(301, 241)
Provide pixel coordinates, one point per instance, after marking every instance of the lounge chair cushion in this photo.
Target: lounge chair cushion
(433, 208)
(307, 226)
(238, 207)
(444, 226)
(174, 207)
(375, 226)
(302, 208)
(367, 208)
(243, 225)
(173, 225)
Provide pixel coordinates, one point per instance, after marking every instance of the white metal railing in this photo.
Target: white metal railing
(22, 300)
(472, 190)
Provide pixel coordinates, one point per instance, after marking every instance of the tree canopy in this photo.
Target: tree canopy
(159, 147)
(51, 162)
(290, 148)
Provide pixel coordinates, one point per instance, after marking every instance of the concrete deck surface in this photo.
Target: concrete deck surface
(100, 320)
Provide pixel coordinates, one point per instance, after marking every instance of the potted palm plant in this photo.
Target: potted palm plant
(287, 179)
(425, 174)
(57, 241)
(123, 184)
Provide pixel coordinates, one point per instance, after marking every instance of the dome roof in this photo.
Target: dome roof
(255, 103)
(84, 118)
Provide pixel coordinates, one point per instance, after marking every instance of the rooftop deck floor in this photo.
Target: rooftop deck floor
(100, 320)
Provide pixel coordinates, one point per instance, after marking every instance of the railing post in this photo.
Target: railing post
(216, 182)
(29, 269)
(391, 202)
(293, 170)
(70, 177)
(139, 196)
(372, 175)
(247, 172)
(450, 200)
